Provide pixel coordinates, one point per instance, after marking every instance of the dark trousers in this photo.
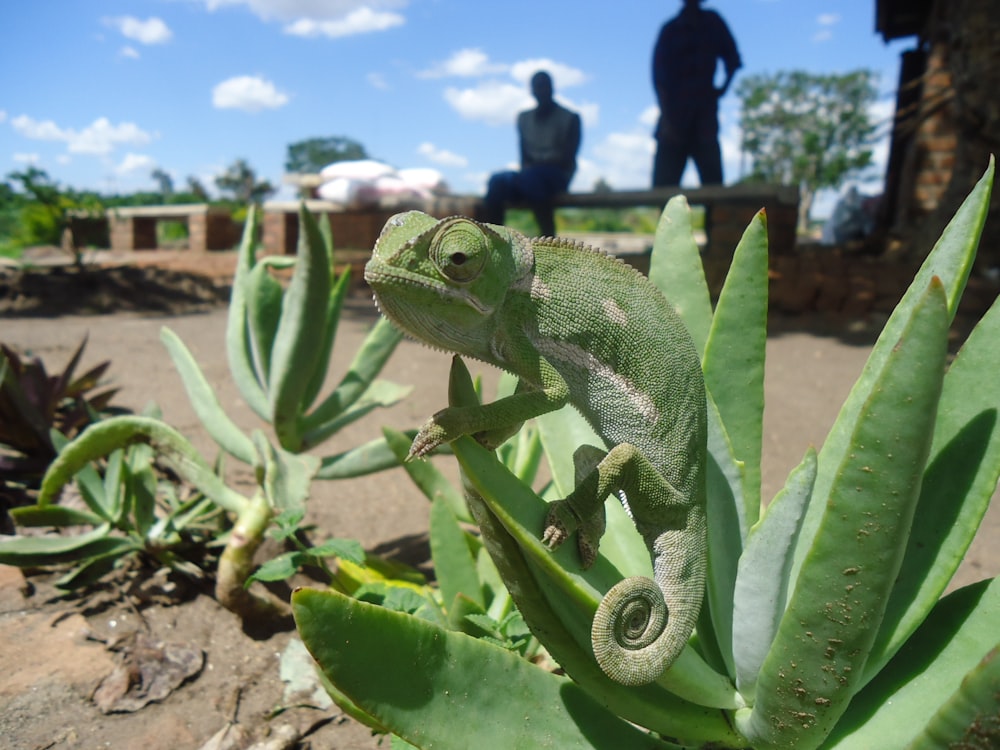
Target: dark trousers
(696, 139)
(534, 186)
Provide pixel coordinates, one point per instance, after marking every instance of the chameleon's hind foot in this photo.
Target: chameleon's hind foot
(562, 521)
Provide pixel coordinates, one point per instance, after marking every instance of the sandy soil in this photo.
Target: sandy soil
(55, 650)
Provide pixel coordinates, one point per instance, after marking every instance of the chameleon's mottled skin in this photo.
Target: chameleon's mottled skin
(578, 326)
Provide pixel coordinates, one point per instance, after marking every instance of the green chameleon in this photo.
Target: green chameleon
(576, 326)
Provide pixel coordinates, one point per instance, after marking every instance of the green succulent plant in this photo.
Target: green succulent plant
(824, 624)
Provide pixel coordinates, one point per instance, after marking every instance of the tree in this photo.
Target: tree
(196, 189)
(809, 130)
(311, 155)
(165, 182)
(240, 182)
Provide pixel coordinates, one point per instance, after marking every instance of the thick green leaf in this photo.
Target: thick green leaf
(287, 476)
(677, 271)
(206, 405)
(368, 458)
(418, 679)
(431, 482)
(454, 565)
(959, 481)
(926, 675)
(734, 358)
(380, 393)
(817, 659)
(971, 717)
(368, 362)
(54, 515)
(101, 438)
(263, 295)
(29, 551)
(762, 578)
(950, 261)
(334, 305)
(724, 511)
(239, 347)
(302, 325)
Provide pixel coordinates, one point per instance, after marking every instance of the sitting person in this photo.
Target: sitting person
(550, 138)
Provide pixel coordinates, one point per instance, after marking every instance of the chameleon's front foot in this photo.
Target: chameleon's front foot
(562, 521)
(431, 436)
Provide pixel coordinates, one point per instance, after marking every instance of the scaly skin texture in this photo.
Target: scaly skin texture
(577, 326)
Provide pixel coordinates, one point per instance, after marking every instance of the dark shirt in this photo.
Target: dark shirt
(549, 137)
(685, 60)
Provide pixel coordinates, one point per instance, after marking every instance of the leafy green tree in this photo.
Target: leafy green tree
(814, 131)
(196, 188)
(312, 154)
(240, 182)
(164, 181)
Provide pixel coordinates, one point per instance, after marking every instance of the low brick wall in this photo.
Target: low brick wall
(836, 283)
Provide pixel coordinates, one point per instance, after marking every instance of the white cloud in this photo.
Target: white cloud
(26, 158)
(44, 130)
(3, 115)
(823, 35)
(493, 102)
(151, 31)
(133, 163)
(130, 52)
(330, 18)
(288, 10)
(624, 160)
(360, 21)
(377, 81)
(828, 19)
(100, 137)
(441, 156)
(468, 62)
(249, 93)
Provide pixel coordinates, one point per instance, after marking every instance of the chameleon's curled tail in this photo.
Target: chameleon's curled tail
(640, 628)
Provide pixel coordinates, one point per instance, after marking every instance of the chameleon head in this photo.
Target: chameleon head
(441, 280)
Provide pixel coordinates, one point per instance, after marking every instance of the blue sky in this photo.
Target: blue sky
(100, 92)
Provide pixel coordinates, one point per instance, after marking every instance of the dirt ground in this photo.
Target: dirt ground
(56, 650)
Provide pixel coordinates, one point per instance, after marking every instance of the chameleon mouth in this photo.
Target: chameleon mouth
(381, 275)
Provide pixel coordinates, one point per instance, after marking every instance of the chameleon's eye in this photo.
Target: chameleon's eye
(459, 250)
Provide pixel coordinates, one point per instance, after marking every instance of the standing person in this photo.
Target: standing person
(684, 64)
(549, 136)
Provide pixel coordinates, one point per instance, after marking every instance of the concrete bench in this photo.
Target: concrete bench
(209, 227)
(728, 211)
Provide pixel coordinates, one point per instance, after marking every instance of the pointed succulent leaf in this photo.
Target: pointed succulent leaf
(454, 564)
(206, 404)
(383, 661)
(428, 479)
(302, 325)
(844, 583)
(762, 577)
(734, 358)
(334, 306)
(926, 681)
(959, 481)
(676, 270)
(368, 362)
(239, 345)
(100, 439)
(950, 261)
